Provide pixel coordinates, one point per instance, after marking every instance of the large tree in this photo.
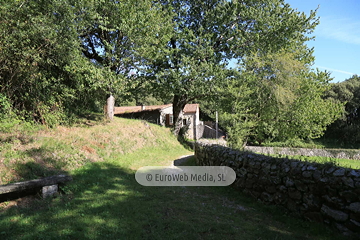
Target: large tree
(38, 48)
(207, 35)
(287, 101)
(119, 35)
(63, 55)
(346, 129)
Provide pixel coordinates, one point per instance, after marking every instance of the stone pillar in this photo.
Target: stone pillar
(110, 103)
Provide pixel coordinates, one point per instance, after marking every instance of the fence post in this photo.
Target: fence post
(110, 103)
(216, 125)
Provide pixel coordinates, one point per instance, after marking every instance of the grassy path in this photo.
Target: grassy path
(105, 202)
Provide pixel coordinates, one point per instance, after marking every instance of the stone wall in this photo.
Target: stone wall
(317, 192)
(332, 153)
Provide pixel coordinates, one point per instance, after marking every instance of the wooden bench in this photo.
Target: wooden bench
(48, 187)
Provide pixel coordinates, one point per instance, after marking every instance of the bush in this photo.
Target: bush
(8, 119)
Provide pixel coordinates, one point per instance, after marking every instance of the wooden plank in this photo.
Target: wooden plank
(36, 183)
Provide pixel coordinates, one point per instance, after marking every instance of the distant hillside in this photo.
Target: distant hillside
(46, 152)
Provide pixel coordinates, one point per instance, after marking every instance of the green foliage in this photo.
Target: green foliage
(61, 58)
(288, 98)
(281, 99)
(8, 118)
(207, 35)
(232, 102)
(119, 36)
(346, 129)
(38, 47)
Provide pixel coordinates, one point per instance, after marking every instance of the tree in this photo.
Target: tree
(276, 97)
(232, 102)
(57, 57)
(346, 128)
(35, 57)
(289, 100)
(207, 35)
(119, 35)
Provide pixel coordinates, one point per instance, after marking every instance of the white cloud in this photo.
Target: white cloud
(344, 29)
(335, 70)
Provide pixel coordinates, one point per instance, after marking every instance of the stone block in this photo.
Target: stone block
(333, 202)
(312, 201)
(347, 181)
(49, 191)
(354, 173)
(339, 173)
(329, 170)
(354, 207)
(311, 167)
(338, 216)
(294, 164)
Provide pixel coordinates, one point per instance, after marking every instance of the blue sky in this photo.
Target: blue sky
(337, 37)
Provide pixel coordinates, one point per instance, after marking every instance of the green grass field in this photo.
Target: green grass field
(346, 163)
(105, 201)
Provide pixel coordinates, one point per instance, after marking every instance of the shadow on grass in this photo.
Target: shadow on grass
(188, 145)
(105, 201)
(29, 171)
(11, 138)
(189, 160)
(43, 165)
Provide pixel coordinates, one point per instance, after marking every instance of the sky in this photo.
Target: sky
(337, 37)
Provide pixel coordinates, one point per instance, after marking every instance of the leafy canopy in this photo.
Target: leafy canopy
(207, 35)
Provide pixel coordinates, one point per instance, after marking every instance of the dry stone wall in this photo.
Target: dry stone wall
(318, 192)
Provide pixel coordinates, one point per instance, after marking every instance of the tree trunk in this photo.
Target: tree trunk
(179, 103)
(21, 186)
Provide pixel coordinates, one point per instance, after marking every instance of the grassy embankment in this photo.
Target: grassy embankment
(346, 163)
(105, 201)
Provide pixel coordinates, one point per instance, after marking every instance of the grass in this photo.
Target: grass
(105, 201)
(346, 163)
(295, 143)
(320, 143)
